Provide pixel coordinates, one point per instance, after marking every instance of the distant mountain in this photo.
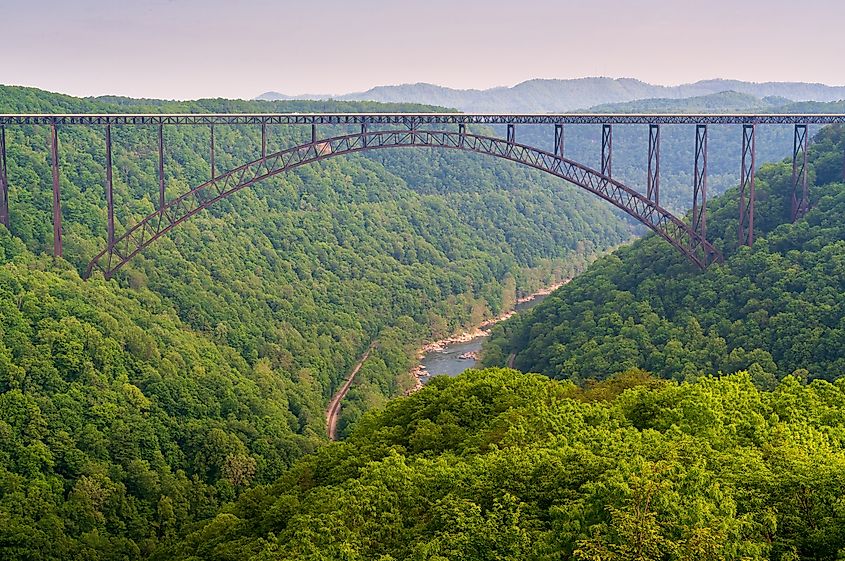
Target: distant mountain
(569, 95)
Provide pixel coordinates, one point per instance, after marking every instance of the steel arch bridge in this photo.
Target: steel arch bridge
(688, 238)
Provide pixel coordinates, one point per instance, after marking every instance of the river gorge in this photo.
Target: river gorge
(455, 354)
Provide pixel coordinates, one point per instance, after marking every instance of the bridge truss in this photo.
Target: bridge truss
(688, 238)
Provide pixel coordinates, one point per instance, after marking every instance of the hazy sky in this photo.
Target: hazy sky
(241, 48)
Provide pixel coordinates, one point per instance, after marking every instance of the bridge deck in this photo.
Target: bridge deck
(421, 119)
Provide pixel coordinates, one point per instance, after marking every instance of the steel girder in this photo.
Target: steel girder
(800, 194)
(747, 196)
(4, 180)
(699, 185)
(414, 120)
(57, 194)
(607, 150)
(653, 175)
(560, 141)
(665, 224)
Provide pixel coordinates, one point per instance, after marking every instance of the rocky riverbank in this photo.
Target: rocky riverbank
(419, 372)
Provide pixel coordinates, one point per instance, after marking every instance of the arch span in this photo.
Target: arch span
(671, 228)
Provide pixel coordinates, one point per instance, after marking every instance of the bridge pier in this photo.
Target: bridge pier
(109, 192)
(213, 169)
(4, 180)
(511, 133)
(800, 195)
(607, 150)
(314, 133)
(653, 179)
(264, 140)
(160, 167)
(746, 185)
(699, 185)
(57, 198)
(559, 140)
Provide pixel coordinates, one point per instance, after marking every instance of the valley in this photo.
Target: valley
(470, 281)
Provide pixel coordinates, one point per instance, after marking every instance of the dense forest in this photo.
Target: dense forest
(496, 464)
(776, 309)
(132, 408)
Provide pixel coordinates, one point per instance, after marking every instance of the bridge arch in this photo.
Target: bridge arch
(671, 228)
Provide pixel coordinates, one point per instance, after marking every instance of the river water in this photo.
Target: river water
(448, 360)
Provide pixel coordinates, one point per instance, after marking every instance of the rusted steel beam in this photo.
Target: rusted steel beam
(420, 119)
(109, 191)
(800, 193)
(160, 167)
(699, 182)
(607, 150)
(213, 168)
(653, 176)
(57, 196)
(263, 140)
(746, 185)
(559, 140)
(4, 180)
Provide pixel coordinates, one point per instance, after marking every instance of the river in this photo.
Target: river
(448, 361)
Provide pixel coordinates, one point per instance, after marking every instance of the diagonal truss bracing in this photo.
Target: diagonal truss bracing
(681, 235)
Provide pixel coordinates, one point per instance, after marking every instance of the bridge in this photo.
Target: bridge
(414, 130)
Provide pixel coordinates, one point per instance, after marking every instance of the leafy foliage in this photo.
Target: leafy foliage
(118, 424)
(496, 464)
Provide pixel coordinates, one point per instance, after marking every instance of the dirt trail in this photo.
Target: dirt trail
(333, 410)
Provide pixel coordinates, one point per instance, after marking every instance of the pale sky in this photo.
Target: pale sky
(184, 49)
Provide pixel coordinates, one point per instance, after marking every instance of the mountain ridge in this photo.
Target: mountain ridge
(542, 94)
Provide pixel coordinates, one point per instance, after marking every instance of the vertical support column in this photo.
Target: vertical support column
(213, 167)
(699, 185)
(364, 134)
(511, 133)
(462, 133)
(559, 140)
(313, 133)
(800, 196)
(4, 180)
(263, 140)
(57, 196)
(746, 185)
(109, 191)
(607, 150)
(160, 167)
(653, 179)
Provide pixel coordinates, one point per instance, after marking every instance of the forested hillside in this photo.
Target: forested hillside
(501, 465)
(131, 408)
(119, 424)
(776, 309)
